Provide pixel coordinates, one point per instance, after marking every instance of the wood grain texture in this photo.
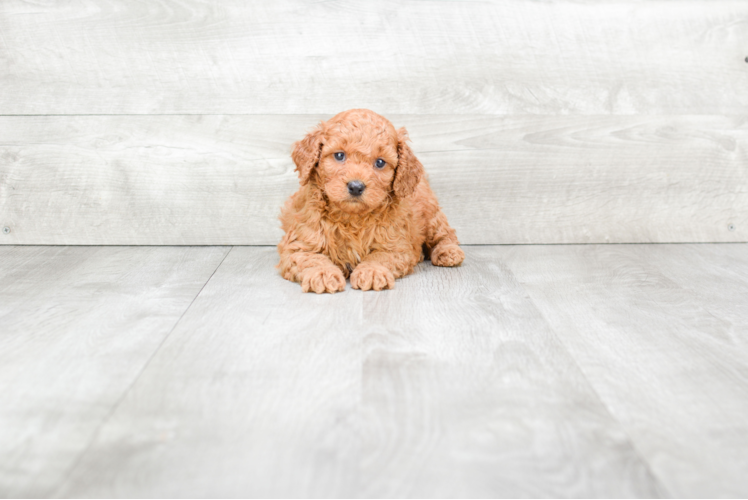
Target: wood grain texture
(467, 393)
(648, 327)
(450, 385)
(77, 326)
(291, 56)
(202, 180)
(254, 395)
(716, 274)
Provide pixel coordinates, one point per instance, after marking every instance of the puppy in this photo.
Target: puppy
(364, 209)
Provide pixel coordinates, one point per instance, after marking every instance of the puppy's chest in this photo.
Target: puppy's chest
(347, 247)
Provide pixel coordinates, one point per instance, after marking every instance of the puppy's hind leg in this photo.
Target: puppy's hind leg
(441, 241)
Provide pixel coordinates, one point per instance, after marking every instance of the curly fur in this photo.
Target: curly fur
(374, 238)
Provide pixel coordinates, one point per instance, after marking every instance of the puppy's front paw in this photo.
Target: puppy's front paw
(372, 276)
(328, 279)
(447, 255)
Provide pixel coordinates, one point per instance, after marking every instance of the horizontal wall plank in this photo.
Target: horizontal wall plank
(291, 56)
(220, 180)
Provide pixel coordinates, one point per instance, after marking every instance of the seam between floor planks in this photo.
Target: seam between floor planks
(134, 380)
(604, 338)
(86, 319)
(622, 424)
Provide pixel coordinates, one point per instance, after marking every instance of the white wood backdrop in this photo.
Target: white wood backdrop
(539, 122)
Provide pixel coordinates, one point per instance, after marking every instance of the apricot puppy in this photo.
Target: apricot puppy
(364, 208)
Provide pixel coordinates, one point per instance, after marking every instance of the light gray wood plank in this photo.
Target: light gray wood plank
(717, 276)
(253, 394)
(670, 366)
(467, 393)
(186, 180)
(451, 384)
(77, 325)
(200, 180)
(637, 179)
(290, 56)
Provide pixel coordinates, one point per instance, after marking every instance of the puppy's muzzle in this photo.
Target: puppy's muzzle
(355, 188)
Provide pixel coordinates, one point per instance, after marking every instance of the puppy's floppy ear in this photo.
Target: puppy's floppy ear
(409, 170)
(305, 153)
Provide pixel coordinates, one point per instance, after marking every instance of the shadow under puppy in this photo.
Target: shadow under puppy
(364, 208)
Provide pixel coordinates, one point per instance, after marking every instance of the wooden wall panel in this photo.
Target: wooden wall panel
(415, 57)
(195, 180)
(558, 121)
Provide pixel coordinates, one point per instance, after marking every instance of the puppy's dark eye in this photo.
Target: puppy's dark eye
(380, 163)
(340, 156)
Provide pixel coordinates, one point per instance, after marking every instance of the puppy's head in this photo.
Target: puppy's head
(358, 160)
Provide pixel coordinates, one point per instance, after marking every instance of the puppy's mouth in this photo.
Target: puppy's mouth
(353, 204)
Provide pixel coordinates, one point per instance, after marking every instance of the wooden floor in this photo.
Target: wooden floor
(563, 371)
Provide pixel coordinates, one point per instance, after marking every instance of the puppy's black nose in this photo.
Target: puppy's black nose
(356, 188)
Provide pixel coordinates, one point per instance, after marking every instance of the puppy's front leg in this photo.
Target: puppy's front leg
(380, 269)
(314, 271)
